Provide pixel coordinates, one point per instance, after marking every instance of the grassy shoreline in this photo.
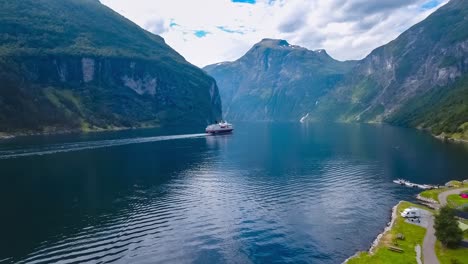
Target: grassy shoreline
(434, 193)
(446, 255)
(380, 253)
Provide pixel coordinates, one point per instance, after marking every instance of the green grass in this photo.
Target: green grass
(455, 200)
(414, 235)
(433, 194)
(456, 184)
(465, 234)
(450, 256)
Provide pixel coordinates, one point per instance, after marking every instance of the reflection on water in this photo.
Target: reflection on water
(268, 193)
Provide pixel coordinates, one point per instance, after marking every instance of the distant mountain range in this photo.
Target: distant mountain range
(276, 81)
(418, 80)
(74, 65)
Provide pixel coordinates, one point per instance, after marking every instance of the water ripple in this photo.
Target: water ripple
(71, 147)
(215, 200)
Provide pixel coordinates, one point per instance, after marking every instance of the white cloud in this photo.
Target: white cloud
(347, 29)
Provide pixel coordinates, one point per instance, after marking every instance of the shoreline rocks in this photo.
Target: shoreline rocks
(379, 236)
(387, 228)
(428, 202)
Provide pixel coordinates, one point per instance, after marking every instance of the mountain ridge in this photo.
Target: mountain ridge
(428, 60)
(77, 65)
(261, 75)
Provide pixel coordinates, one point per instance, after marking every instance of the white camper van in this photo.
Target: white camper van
(411, 213)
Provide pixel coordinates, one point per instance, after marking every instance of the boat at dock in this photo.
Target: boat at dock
(400, 181)
(222, 127)
(414, 185)
(426, 186)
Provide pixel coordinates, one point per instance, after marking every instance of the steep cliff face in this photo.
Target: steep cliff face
(77, 65)
(276, 81)
(418, 71)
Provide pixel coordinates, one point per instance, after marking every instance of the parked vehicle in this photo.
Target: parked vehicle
(411, 213)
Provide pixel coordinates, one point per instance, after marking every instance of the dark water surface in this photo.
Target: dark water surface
(285, 193)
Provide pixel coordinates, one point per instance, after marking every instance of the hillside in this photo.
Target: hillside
(417, 80)
(276, 81)
(72, 65)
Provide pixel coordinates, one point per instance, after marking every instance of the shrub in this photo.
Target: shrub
(447, 230)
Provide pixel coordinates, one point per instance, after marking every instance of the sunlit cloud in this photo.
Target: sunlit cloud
(210, 31)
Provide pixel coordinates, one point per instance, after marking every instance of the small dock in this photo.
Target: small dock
(415, 185)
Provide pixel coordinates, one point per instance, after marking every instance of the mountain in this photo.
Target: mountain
(420, 79)
(276, 81)
(71, 65)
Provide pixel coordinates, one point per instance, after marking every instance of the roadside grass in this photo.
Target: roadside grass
(451, 256)
(414, 235)
(465, 233)
(433, 194)
(455, 200)
(459, 255)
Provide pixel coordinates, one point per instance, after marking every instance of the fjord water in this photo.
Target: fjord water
(286, 193)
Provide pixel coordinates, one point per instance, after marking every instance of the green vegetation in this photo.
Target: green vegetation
(60, 27)
(450, 224)
(443, 110)
(364, 91)
(446, 228)
(390, 86)
(465, 233)
(452, 200)
(418, 80)
(433, 194)
(61, 71)
(276, 82)
(455, 200)
(456, 184)
(451, 256)
(414, 235)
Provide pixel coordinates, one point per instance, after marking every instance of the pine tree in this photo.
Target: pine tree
(446, 226)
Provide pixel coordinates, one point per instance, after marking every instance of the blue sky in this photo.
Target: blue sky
(211, 31)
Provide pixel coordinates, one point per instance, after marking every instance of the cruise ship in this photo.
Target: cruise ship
(222, 127)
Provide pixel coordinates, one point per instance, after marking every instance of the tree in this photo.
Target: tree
(446, 226)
